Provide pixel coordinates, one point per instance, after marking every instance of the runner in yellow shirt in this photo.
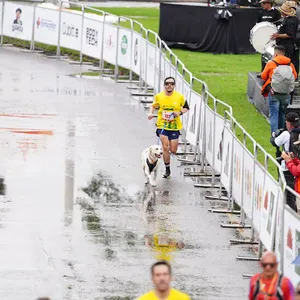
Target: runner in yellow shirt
(161, 277)
(171, 105)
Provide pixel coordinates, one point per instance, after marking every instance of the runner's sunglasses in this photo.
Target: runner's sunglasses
(264, 265)
(169, 83)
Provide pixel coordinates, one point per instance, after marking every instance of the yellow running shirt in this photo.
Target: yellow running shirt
(166, 105)
(174, 295)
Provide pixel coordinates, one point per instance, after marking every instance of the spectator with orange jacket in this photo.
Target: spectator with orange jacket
(270, 284)
(279, 75)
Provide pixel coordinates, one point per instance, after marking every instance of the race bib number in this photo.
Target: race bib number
(168, 116)
(163, 240)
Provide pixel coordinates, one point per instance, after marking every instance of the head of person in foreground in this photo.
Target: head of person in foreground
(269, 264)
(161, 275)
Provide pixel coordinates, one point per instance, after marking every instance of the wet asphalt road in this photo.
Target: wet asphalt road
(60, 134)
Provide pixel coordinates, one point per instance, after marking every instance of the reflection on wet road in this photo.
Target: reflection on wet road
(77, 222)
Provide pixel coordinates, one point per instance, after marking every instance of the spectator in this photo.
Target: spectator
(297, 292)
(287, 31)
(286, 138)
(293, 164)
(161, 277)
(296, 7)
(268, 14)
(279, 75)
(269, 284)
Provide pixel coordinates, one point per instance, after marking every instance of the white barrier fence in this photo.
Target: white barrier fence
(221, 145)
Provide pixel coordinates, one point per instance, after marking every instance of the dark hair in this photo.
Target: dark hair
(170, 77)
(161, 263)
(280, 49)
(19, 9)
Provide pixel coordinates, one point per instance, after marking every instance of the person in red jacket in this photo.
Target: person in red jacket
(293, 165)
(269, 284)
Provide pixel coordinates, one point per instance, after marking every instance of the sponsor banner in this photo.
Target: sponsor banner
(136, 54)
(259, 183)
(193, 120)
(143, 60)
(218, 134)
(179, 83)
(248, 178)
(46, 26)
(151, 51)
(237, 178)
(268, 212)
(226, 155)
(279, 226)
(18, 21)
(209, 121)
(110, 43)
(186, 94)
(92, 38)
(291, 245)
(70, 31)
(124, 52)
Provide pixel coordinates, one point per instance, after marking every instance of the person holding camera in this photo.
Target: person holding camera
(286, 138)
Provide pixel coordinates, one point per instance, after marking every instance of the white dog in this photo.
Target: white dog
(150, 161)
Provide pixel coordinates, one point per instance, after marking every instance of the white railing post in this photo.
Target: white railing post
(33, 28)
(101, 61)
(117, 51)
(59, 31)
(81, 42)
(2, 22)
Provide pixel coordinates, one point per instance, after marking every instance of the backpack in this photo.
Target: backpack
(283, 80)
(279, 293)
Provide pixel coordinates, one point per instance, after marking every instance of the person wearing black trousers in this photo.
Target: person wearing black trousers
(268, 14)
(286, 35)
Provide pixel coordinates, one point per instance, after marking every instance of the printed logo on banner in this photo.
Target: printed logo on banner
(237, 167)
(226, 167)
(193, 123)
(271, 212)
(289, 242)
(124, 44)
(258, 195)
(210, 138)
(91, 37)
(220, 152)
(248, 182)
(136, 51)
(70, 30)
(109, 42)
(48, 24)
(17, 24)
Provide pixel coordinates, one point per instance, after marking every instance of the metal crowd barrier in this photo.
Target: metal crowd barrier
(219, 146)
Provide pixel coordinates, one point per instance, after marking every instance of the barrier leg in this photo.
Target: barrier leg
(253, 258)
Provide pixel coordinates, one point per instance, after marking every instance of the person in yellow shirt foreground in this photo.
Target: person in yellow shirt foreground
(162, 276)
